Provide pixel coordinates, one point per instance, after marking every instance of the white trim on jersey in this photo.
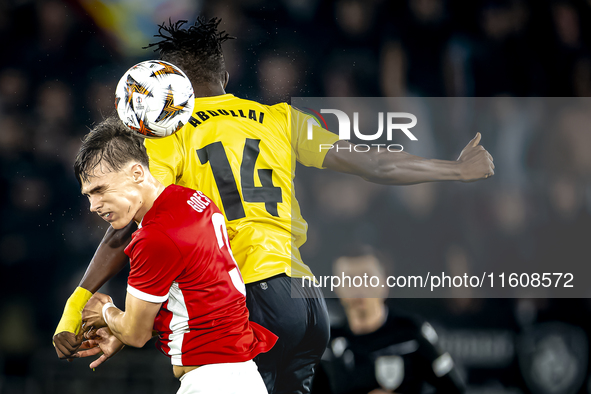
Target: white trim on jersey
(145, 296)
(179, 324)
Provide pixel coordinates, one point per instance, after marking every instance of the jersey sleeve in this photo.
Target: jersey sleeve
(309, 152)
(155, 263)
(166, 159)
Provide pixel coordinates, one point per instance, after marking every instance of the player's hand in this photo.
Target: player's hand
(92, 314)
(476, 163)
(66, 344)
(99, 341)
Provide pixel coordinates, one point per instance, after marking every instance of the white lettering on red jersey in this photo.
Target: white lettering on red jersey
(181, 257)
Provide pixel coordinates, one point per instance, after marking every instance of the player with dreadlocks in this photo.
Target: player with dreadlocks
(242, 154)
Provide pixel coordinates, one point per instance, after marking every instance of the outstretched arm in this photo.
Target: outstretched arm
(108, 260)
(401, 168)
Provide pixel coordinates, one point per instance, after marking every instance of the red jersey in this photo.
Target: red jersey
(180, 256)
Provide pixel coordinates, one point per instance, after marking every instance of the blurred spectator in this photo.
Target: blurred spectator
(13, 90)
(384, 350)
(279, 78)
(423, 34)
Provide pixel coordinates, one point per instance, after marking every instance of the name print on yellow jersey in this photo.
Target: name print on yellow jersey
(204, 115)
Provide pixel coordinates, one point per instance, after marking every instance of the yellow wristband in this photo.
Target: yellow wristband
(71, 320)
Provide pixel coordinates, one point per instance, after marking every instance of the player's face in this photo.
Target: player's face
(367, 295)
(113, 195)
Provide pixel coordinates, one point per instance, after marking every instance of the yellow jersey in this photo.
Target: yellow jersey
(242, 154)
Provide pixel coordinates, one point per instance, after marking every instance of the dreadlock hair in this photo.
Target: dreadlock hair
(196, 50)
(112, 144)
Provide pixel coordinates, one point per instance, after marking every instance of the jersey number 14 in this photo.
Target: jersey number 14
(215, 154)
(219, 226)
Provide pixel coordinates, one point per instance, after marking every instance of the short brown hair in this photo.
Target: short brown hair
(110, 142)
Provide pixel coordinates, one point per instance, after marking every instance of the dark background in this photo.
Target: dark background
(59, 66)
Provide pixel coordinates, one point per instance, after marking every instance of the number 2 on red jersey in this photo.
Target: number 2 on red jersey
(219, 225)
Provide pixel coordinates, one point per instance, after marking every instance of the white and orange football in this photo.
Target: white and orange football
(154, 99)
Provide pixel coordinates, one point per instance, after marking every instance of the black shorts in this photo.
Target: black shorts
(302, 327)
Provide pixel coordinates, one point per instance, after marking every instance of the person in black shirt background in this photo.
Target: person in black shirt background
(377, 349)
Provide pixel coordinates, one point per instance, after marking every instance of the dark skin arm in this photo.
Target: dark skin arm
(109, 258)
(107, 261)
(401, 168)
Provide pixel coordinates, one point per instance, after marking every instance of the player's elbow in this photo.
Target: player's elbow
(136, 338)
(136, 341)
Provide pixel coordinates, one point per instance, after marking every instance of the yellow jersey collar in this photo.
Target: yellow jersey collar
(214, 99)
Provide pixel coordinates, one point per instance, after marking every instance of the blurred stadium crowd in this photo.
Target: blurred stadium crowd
(58, 75)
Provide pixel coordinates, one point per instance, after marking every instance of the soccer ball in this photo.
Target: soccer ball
(154, 99)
